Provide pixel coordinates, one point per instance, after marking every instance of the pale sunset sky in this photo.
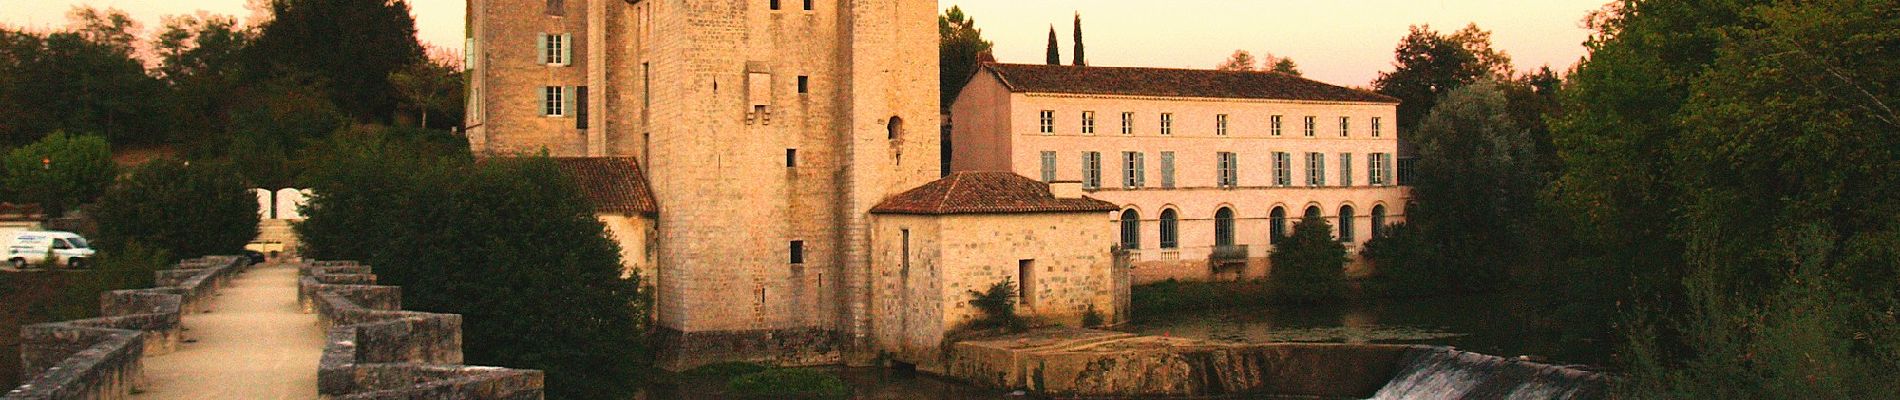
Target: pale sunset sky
(1345, 42)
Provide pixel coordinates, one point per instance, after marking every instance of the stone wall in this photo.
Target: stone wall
(375, 350)
(1083, 363)
(102, 357)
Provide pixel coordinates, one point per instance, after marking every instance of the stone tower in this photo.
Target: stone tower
(767, 129)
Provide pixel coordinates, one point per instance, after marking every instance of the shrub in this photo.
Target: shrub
(1309, 266)
(998, 305)
(789, 383)
(59, 171)
(131, 266)
(1405, 264)
(189, 210)
(508, 243)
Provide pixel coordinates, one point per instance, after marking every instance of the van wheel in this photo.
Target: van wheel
(18, 263)
(76, 263)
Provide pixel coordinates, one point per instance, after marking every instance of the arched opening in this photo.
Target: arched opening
(1170, 230)
(1131, 229)
(1276, 229)
(1224, 227)
(1378, 221)
(1345, 223)
(1313, 212)
(895, 128)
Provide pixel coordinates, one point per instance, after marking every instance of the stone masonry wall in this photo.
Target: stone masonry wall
(102, 357)
(375, 350)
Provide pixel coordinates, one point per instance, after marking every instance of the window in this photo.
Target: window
(1128, 123)
(557, 7)
(1276, 225)
(775, 4)
(1282, 169)
(1378, 221)
(1091, 170)
(1170, 230)
(554, 102)
(1220, 125)
(906, 244)
(556, 49)
(1375, 169)
(1345, 169)
(1315, 169)
(1228, 176)
(804, 84)
(1167, 170)
(1048, 121)
(1131, 230)
(808, 5)
(1405, 170)
(1026, 289)
(1088, 122)
(894, 129)
(798, 252)
(1167, 123)
(1276, 125)
(1311, 123)
(1224, 227)
(1375, 126)
(791, 158)
(1048, 166)
(1345, 223)
(1312, 212)
(1345, 126)
(1133, 173)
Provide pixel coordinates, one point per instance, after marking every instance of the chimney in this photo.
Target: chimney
(1066, 189)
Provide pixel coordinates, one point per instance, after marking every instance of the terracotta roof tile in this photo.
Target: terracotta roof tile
(985, 193)
(1164, 82)
(613, 184)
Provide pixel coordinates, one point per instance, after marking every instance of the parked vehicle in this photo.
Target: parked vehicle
(26, 249)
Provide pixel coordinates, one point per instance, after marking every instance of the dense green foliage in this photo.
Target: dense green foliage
(58, 172)
(790, 384)
(960, 47)
(129, 266)
(1055, 52)
(345, 48)
(1081, 53)
(998, 304)
(1309, 265)
(509, 244)
(1430, 64)
(88, 79)
(192, 210)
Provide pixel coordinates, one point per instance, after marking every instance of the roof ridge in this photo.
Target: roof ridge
(954, 180)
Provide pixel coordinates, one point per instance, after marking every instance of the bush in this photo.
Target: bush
(789, 383)
(998, 305)
(131, 266)
(1405, 264)
(190, 210)
(1309, 266)
(508, 243)
(59, 172)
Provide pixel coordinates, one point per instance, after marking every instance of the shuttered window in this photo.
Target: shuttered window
(1228, 176)
(1345, 169)
(1048, 166)
(554, 101)
(1134, 174)
(1167, 169)
(1315, 169)
(1092, 170)
(556, 49)
(1282, 169)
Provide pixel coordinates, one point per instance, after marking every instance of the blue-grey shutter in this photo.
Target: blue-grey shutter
(1167, 169)
(567, 100)
(1141, 170)
(567, 49)
(541, 48)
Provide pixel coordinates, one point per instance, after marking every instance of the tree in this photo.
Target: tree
(1283, 65)
(960, 45)
(200, 57)
(490, 241)
(189, 210)
(86, 79)
(1241, 60)
(1080, 59)
(1055, 53)
(1429, 64)
(59, 172)
(430, 88)
(1476, 186)
(348, 48)
(1308, 266)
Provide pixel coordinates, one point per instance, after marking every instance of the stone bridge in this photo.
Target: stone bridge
(220, 328)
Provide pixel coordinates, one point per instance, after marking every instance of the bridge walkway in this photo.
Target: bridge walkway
(255, 343)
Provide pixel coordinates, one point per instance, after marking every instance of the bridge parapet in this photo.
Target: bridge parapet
(375, 350)
(102, 357)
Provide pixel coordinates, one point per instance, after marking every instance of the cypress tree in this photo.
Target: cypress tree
(1080, 60)
(1055, 54)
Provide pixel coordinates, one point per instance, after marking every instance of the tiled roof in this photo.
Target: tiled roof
(985, 193)
(613, 184)
(1164, 82)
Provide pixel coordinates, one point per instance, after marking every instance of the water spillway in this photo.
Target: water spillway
(1444, 373)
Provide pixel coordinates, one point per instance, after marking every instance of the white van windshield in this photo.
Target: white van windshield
(79, 243)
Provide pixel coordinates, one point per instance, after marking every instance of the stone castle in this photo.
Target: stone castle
(768, 165)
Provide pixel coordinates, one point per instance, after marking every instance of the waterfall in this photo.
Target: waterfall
(1445, 373)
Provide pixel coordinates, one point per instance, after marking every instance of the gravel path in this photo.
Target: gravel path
(253, 344)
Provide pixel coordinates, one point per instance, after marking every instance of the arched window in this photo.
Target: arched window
(1277, 225)
(1224, 227)
(1170, 230)
(895, 128)
(1131, 229)
(1313, 212)
(1345, 223)
(1378, 221)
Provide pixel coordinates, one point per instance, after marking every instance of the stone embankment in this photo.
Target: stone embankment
(1086, 363)
(375, 350)
(103, 357)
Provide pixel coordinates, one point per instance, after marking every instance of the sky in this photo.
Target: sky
(1344, 42)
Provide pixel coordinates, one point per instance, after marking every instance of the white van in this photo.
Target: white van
(31, 248)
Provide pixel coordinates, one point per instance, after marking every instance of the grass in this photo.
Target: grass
(789, 383)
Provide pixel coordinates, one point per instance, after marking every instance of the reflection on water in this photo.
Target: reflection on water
(866, 384)
(1491, 324)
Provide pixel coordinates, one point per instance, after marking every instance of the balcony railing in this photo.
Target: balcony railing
(1229, 253)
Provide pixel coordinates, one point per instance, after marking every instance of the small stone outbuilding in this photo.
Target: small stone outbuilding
(618, 191)
(935, 244)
